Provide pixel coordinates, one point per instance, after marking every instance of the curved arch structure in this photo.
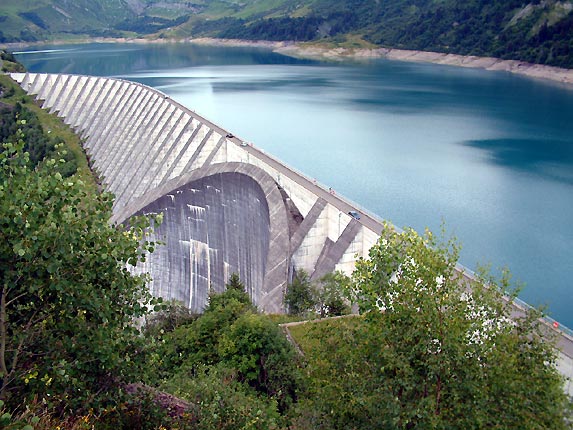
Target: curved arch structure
(220, 219)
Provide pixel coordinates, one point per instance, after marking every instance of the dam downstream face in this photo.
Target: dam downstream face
(212, 227)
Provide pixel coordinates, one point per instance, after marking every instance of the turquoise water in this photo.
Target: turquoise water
(490, 154)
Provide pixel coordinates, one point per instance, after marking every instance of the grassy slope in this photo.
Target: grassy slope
(304, 333)
(55, 125)
(55, 19)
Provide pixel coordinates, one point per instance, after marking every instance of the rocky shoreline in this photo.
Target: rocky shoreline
(327, 53)
(318, 52)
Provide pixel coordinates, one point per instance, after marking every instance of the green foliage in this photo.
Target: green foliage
(197, 343)
(538, 32)
(42, 19)
(235, 283)
(9, 422)
(139, 410)
(262, 356)
(68, 299)
(325, 298)
(231, 335)
(173, 314)
(299, 298)
(430, 351)
(329, 295)
(7, 56)
(12, 67)
(340, 393)
(38, 143)
(220, 401)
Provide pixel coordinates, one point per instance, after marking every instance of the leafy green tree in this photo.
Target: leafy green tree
(20, 120)
(193, 344)
(329, 295)
(67, 298)
(262, 356)
(438, 351)
(231, 333)
(299, 298)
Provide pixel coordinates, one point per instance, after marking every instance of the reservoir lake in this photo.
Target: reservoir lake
(487, 154)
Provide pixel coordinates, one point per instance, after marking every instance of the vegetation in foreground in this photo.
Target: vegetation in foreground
(428, 351)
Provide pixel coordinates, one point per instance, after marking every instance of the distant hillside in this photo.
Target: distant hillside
(28, 21)
(538, 31)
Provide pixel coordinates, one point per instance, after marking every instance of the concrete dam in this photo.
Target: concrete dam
(227, 206)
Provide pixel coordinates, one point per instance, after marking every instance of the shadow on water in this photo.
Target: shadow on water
(550, 159)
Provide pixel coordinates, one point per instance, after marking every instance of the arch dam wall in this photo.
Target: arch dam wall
(228, 207)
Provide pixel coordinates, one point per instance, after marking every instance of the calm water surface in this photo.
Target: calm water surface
(490, 154)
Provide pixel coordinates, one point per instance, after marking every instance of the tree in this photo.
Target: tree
(262, 357)
(235, 283)
(299, 297)
(68, 298)
(442, 352)
(324, 298)
(196, 343)
(38, 144)
(329, 295)
(232, 335)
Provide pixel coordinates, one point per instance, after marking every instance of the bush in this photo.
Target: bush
(68, 298)
(220, 401)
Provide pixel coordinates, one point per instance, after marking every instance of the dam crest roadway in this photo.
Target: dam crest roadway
(227, 206)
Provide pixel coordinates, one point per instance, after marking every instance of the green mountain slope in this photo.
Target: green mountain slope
(537, 31)
(30, 20)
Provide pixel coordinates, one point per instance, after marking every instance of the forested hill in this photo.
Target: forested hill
(536, 31)
(39, 20)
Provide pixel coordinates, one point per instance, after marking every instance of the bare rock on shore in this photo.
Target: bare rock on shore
(489, 63)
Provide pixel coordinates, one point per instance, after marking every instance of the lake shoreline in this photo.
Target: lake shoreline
(328, 53)
(318, 52)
